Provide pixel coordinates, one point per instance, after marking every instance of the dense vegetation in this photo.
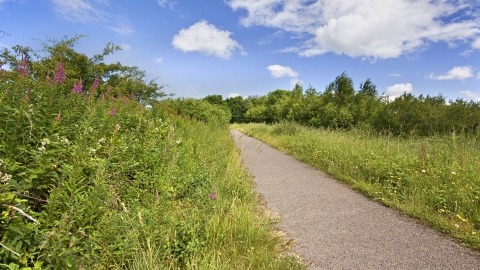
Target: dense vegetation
(92, 178)
(340, 106)
(435, 179)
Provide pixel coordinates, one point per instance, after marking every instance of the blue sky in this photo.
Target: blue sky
(252, 47)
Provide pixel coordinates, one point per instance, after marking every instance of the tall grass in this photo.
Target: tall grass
(94, 181)
(435, 179)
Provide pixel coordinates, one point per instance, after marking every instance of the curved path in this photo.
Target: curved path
(338, 228)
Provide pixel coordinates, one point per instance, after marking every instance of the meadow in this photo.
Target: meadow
(434, 179)
(93, 179)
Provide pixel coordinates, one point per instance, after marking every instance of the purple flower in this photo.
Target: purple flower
(95, 84)
(113, 111)
(59, 73)
(213, 195)
(77, 88)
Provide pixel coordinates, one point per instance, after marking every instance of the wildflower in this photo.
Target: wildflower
(454, 173)
(102, 140)
(93, 151)
(95, 84)
(77, 88)
(22, 68)
(474, 232)
(461, 218)
(41, 148)
(179, 141)
(59, 73)
(213, 195)
(457, 226)
(423, 171)
(64, 141)
(1, 162)
(109, 89)
(45, 141)
(117, 127)
(4, 177)
(113, 111)
(132, 95)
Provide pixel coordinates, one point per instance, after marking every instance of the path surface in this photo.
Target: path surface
(338, 228)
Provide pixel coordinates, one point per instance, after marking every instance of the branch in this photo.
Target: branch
(23, 214)
(5, 247)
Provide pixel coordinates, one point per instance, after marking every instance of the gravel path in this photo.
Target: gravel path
(338, 228)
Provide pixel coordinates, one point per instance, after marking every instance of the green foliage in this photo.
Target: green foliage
(116, 78)
(434, 179)
(340, 107)
(238, 108)
(200, 110)
(98, 181)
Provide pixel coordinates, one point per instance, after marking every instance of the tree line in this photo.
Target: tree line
(341, 106)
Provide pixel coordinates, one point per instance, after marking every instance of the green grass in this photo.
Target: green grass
(434, 179)
(114, 185)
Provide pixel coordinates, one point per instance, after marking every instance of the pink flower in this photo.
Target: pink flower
(113, 111)
(77, 88)
(22, 68)
(59, 73)
(95, 84)
(213, 195)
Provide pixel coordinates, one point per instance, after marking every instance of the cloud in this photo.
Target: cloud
(460, 73)
(294, 81)
(397, 90)
(394, 75)
(470, 95)
(162, 3)
(476, 43)
(207, 39)
(278, 71)
(232, 95)
(126, 47)
(91, 11)
(375, 29)
(82, 11)
(122, 26)
(158, 60)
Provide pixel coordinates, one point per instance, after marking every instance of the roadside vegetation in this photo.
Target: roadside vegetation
(97, 172)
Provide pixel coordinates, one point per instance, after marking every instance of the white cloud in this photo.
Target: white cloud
(397, 90)
(278, 71)
(91, 11)
(460, 73)
(122, 26)
(395, 75)
(162, 3)
(232, 95)
(470, 95)
(294, 81)
(126, 47)
(82, 11)
(158, 60)
(206, 38)
(375, 29)
(476, 43)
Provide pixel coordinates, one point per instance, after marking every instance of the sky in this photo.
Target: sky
(197, 48)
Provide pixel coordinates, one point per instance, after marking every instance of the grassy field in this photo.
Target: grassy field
(434, 179)
(97, 181)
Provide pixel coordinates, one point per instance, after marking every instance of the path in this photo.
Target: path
(338, 228)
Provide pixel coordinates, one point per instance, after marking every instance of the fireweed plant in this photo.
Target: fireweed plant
(89, 180)
(435, 179)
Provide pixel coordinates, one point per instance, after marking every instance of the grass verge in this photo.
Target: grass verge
(434, 179)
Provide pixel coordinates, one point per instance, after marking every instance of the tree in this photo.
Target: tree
(238, 107)
(342, 89)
